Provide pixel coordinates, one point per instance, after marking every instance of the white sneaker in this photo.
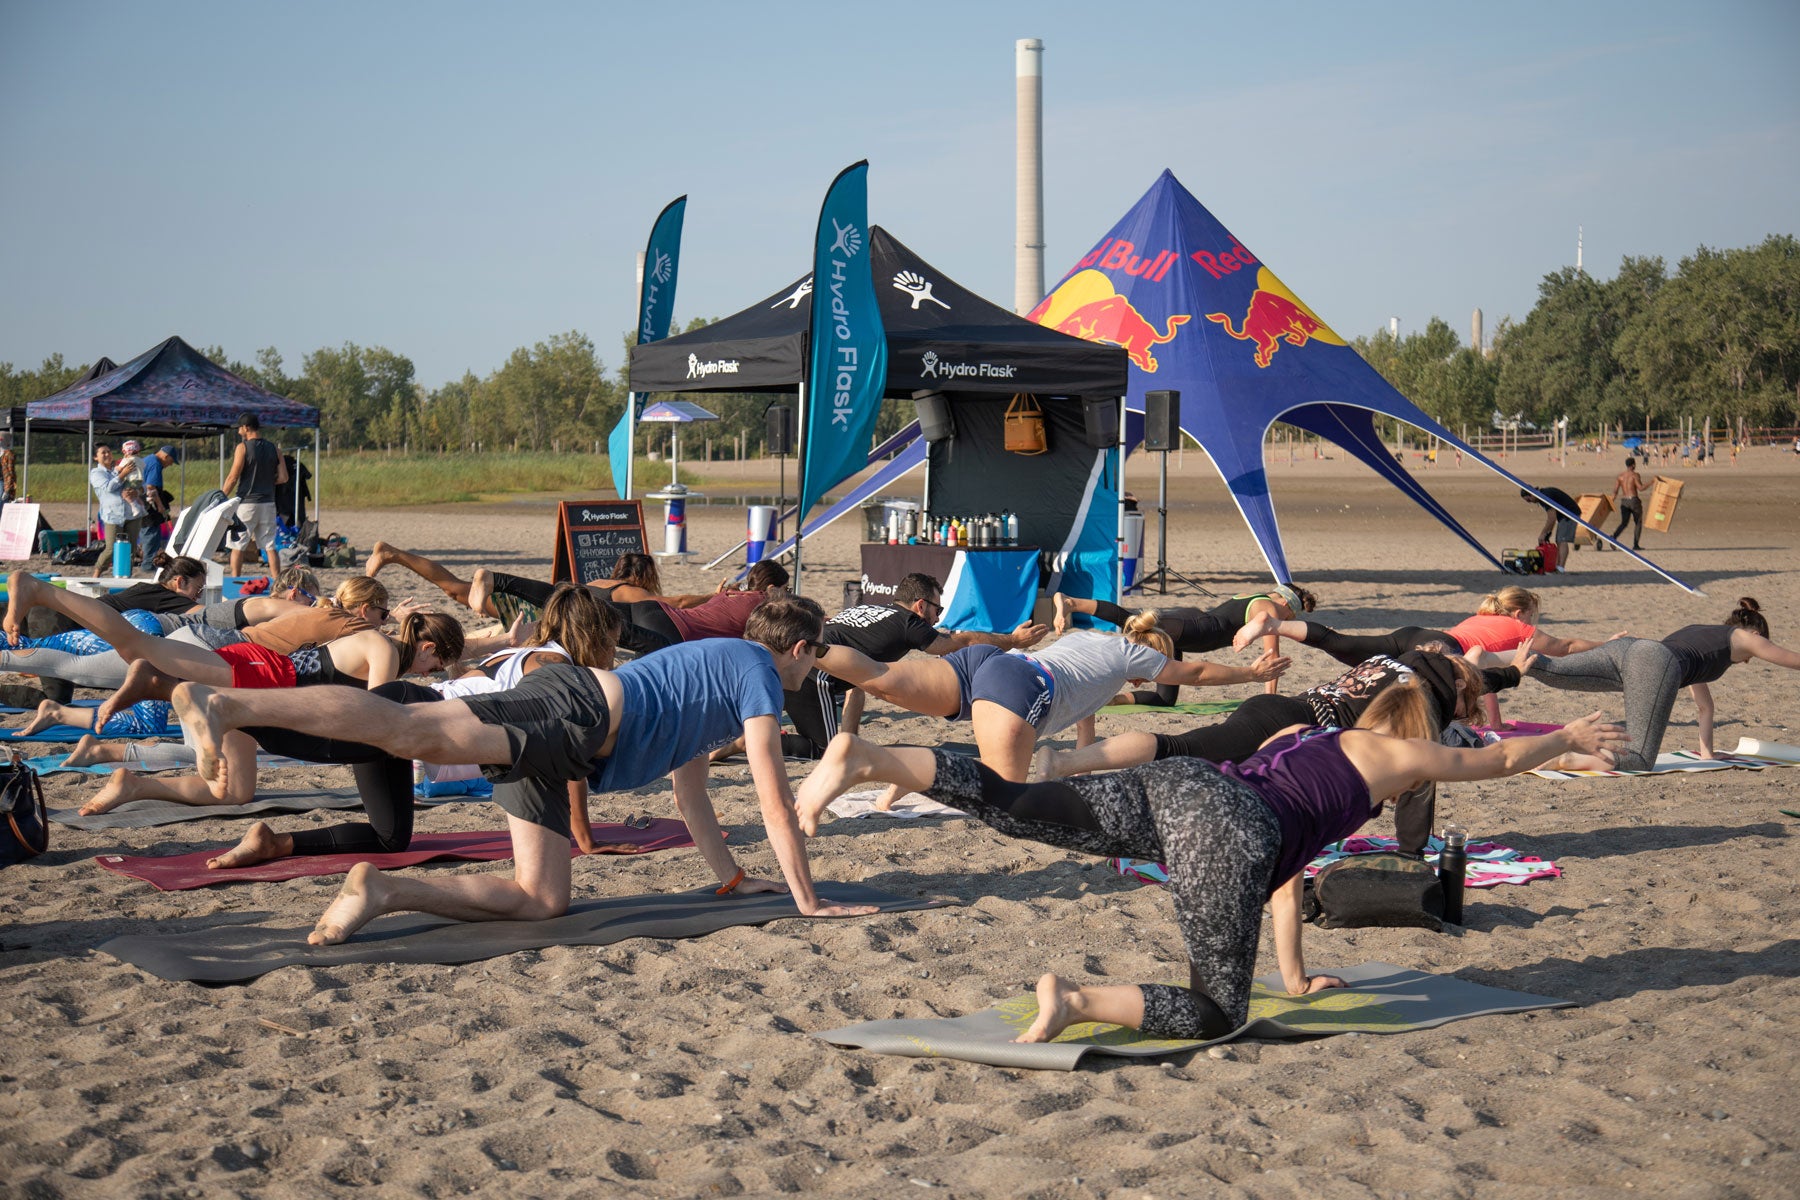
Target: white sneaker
(1562, 570)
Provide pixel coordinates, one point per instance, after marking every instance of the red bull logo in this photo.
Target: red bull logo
(1275, 316)
(1088, 306)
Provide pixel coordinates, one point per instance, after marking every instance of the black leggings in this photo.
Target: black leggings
(384, 782)
(651, 620)
(1220, 840)
(1352, 648)
(1239, 735)
(1194, 631)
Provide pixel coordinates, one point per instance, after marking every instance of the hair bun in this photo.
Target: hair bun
(1748, 602)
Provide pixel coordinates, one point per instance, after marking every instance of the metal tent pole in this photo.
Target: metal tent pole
(27, 487)
(799, 511)
(318, 488)
(88, 497)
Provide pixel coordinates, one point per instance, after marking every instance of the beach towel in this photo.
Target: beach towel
(1490, 864)
(1752, 754)
(852, 805)
(240, 953)
(1199, 708)
(181, 872)
(1381, 998)
(146, 814)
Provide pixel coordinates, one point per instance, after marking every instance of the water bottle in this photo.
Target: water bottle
(1453, 868)
(121, 560)
(1012, 528)
(910, 533)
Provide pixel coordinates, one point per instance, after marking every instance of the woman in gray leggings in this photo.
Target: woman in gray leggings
(1651, 673)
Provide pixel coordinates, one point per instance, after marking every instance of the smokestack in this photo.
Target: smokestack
(1028, 239)
(1475, 332)
(1394, 328)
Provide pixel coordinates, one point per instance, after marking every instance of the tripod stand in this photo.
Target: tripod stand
(1163, 574)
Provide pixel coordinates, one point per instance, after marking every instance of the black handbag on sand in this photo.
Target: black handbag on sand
(25, 832)
(1365, 890)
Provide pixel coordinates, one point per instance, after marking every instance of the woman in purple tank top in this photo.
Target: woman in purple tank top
(1232, 837)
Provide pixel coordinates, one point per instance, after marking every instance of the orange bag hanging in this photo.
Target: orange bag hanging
(1025, 426)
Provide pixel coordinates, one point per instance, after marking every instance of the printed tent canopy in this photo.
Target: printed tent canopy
(940, 336)
(170, 390)
(1201, 314)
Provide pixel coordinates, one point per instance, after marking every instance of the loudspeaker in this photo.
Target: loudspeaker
(935, 422)
(1162, 420)
(779, 437)
(1102, 417)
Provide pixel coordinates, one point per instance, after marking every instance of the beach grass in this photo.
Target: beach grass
(372, 479)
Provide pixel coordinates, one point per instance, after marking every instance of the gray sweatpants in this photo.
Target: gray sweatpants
(1646, 671)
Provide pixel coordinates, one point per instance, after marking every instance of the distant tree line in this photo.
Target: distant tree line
(1719, 338)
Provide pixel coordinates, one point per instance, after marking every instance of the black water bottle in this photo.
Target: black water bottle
(1453, 868)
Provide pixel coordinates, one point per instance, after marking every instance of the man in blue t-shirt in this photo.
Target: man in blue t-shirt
(545, 742)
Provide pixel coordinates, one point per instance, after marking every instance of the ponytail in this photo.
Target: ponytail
(1509, 601)
(1748, 615)
(442, 631)
(1401, 711)
(178, 566)
(359, 590)
(638, 570)
(1141, 628)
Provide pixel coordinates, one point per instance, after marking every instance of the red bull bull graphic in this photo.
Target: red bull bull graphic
(1089, 307)
(1275, 316)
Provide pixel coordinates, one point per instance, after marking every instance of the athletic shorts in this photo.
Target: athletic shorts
(259, 521)
(254, 666)
(966, 662)
(1018, 685)
(556, 720)
(1565, 530)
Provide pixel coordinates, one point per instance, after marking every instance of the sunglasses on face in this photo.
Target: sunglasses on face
(383, 610)
(304, 596)
(818, 648)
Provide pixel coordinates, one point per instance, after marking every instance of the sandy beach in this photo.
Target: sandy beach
(684, 1068)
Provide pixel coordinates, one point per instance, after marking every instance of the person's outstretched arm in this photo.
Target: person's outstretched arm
(762, 745)
(1024, 637)
(1200, 673)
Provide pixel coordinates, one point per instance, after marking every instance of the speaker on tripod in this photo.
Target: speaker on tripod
(935, 422)
(1162, 433)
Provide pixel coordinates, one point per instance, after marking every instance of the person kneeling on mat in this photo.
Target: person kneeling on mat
(544, 743)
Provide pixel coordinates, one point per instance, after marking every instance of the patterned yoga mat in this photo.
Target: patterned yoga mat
(1490, 864)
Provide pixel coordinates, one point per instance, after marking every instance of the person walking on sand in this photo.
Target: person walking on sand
(544, 743)
(1628, 491)
(1234, 838)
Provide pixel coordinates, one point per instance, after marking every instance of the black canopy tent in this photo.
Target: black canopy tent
(941, 337)
(170, 391)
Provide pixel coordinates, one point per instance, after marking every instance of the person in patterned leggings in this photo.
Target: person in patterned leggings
(1232, 837)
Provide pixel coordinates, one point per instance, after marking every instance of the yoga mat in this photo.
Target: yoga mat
(50, 764)
(852, 805)
(146, 814)
(68, 733)
(9, 708)
(1750, 755)
(182, 872)
(1199, 708)
(1381, 998)
(1490, 864)
(240, 953)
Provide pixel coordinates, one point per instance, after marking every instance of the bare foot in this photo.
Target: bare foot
(1055, 1013)
(358, 902)
(1256, 628)
(481, 589)
(119, 789)
(379, 557)
(21, 598)
(49, 713)
(1061, 623)
(141, 683)
(886, 802)
(1575, 761)
(835, 774)
(88, 751)
(259, 845)
(1044, 766)
(196, 706)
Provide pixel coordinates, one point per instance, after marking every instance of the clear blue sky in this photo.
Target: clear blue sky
(455, 180)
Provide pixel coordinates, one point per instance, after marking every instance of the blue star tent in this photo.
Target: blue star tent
(1199, 313)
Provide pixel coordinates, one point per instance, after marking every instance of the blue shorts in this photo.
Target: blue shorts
(1018, 685)
(966, 662)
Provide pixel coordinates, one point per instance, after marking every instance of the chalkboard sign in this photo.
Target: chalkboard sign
(591, 537)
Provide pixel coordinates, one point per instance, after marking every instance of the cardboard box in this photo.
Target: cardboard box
(1659, 513)
(1594, 509)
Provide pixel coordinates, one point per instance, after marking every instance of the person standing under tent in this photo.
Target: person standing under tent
(256, 471)
(115, 513)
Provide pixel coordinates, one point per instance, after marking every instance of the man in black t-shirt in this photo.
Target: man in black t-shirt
(824, 705)
(1557, 527)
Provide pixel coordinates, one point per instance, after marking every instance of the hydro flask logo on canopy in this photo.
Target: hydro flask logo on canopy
(793, 298)
(719, 366)
(933, 367)
(846, 360)
(918, 287)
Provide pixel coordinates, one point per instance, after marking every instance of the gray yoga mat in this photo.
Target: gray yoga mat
(1381, 998)
(144, 814)
(240, 953)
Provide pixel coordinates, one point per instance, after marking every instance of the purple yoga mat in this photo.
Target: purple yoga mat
(180, 872)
